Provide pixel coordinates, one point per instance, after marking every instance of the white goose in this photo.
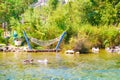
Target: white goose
(43, 61)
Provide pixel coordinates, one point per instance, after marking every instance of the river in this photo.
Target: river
(60, 66)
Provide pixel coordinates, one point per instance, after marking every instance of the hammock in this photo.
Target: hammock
(49, 42)
(44, 43)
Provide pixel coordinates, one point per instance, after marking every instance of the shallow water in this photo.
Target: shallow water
(102, 66)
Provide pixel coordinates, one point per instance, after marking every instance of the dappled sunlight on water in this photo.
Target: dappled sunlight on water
(60, 66)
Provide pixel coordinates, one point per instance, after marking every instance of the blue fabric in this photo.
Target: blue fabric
(15, 35)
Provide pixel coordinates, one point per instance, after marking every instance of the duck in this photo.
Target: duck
(114, 49)
(28, 61)
(109, 49)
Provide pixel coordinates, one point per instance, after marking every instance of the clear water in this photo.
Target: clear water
(102, 66)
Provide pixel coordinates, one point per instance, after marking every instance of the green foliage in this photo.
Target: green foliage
(101, 12)
(53, 4)
(1, 36)
(91, 19)
(12, 8)
(102, 36)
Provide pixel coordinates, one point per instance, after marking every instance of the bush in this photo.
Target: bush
(90, 36)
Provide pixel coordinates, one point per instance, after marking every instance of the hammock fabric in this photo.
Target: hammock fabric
(44, 43)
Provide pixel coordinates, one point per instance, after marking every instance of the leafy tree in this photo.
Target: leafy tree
(53, 4)
(13, 8)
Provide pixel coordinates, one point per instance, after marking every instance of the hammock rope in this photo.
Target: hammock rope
(44, 43)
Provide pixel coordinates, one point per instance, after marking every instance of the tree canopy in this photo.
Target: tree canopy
(49, 21)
